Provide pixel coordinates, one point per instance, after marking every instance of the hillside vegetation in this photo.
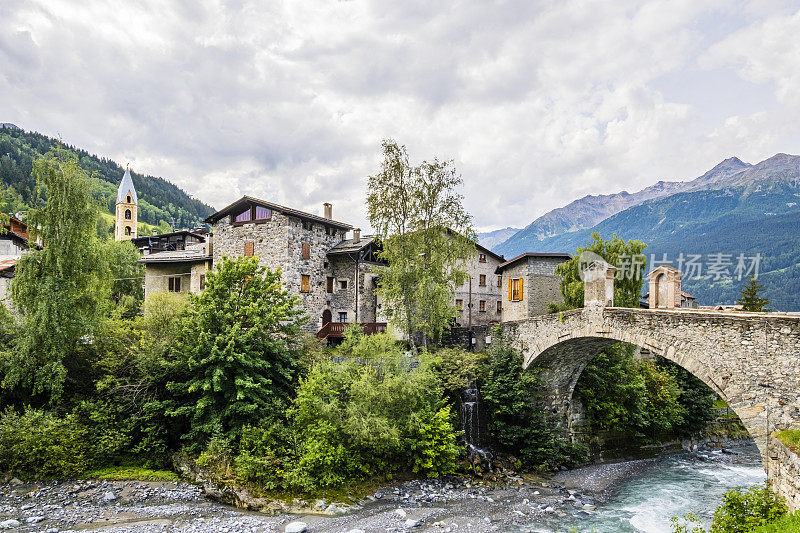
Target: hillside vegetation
(159, 200)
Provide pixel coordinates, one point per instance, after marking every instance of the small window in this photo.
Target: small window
(127, 230)
(262, 213)
(244, 216)
(482, 280)
(482, 258)
(174, 284)
(127, 214)
(342, 284)
(306, 250)
(515, 290)
(499, 306)
(459, 305)
(499, 281)
(343, 316)
(248, 248)
(482, 306)
(305, 283)
(202, 282)
(128, 199)
(329, 288)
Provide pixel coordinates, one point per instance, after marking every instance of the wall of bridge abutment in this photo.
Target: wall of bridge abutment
(752, 361)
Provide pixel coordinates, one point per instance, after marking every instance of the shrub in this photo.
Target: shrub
(41, 445)
(756, 510)
(790, 438)
(789, 523)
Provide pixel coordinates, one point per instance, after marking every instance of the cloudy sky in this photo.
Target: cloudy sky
(538, 102)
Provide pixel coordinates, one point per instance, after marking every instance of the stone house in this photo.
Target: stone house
(479, 300)
(177, 271)
(330, 274)
(529, 283)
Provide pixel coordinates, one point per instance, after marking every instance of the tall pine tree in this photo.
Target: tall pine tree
(751, 299)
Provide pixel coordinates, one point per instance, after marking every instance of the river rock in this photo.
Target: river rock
(399, 512)
(412, 523)
(34, 519)
(8, 524)
(356, 531)
(589, 507)
(296, 527)
(109, 496)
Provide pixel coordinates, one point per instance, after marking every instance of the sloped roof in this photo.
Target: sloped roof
(125, 187)
(538, 255)
(349, 246)
(245, 200)
(191, 254)
(7, 267)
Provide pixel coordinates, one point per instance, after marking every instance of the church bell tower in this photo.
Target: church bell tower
(126, 215)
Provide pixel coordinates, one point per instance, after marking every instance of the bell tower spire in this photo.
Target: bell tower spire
(126, 219)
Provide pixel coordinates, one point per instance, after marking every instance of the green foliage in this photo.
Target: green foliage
(426, 238)
(790, 438)
(127, 276)
(617, 252)
(62, 289)
(125, 473)
(239, 346)
(516, 420)
(367, 347)
(624, 394)
(159, 200)
(751, 299)
(458, 368)
(789, 523)
(758, 509)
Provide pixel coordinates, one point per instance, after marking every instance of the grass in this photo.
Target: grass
(790, 438)
(789, 523)
(125, 473)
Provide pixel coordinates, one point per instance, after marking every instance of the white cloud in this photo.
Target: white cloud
(537, 102)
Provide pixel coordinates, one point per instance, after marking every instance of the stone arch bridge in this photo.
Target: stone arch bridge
(752, 361)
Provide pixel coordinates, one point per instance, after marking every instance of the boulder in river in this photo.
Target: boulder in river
(296, 527)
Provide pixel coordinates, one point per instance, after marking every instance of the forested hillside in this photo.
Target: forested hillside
(159, 200)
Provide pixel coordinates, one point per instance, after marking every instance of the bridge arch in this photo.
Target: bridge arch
(752, 361)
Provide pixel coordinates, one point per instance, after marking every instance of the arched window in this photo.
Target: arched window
(127, 230)
(661, 291)
(127, 214)
(128, 200)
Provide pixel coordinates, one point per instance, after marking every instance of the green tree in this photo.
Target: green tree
(62, 289)
(127, 276)
(625, 255)
(751, 299)
(240, 347)
(426, 236)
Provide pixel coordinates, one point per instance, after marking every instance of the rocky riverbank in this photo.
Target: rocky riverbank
(442, 505)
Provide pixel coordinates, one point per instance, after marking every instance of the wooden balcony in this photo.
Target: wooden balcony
(336, 329)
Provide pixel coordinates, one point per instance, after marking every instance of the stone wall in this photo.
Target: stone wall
(783, 469)
(540, 287)
(156, 276)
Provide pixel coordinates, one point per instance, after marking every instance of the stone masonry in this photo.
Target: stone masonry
(472, 292)
(540, 285)
(752, 361)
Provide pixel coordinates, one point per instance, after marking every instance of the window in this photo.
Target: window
(128, 199)
(482, 306)
(499, 281)
(460, 305)
(342, 284)
(202, 282)
(306, 250)
(248, 248)
(305, 283)
(499, 306)
(482, 258)
(343, 316)
(329, 288)
(127, 214)
(482, 280)
(262, 213)
(308, 225)
(515, 290)
(127, 230)
(244, 216)
(174, 284)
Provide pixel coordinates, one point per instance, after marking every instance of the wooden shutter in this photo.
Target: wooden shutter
(510, 290)
(330, 284)
(306, 250)
(520, 290)
(305, 283)
(248, 249)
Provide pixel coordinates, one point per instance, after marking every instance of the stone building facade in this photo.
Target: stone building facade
(14, 243)
(529, 283)
(127, 210)
(179, 271)
(333, 275)
(665, 290)
(479, 300)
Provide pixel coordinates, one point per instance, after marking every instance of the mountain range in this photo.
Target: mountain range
(735, 209)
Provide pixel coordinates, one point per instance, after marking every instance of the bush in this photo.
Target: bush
(37, 444)
(790, 438)
(789, 523)
(517, 424)
(756, 510)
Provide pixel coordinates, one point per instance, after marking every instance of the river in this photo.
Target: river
(669, 486)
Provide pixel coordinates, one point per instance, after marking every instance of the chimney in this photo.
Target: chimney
(327, 210)
(356, 235)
